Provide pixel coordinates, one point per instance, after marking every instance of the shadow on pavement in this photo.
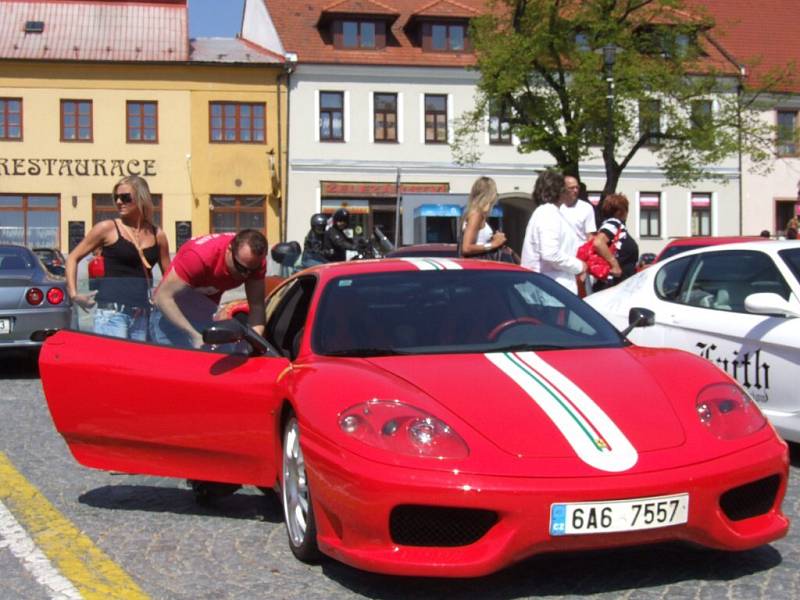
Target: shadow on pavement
(241, 505)
(572, 574)
(19, 364)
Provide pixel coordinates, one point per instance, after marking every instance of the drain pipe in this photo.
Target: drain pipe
(288, 68)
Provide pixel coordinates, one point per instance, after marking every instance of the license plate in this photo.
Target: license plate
(579, 518)
(5, 326)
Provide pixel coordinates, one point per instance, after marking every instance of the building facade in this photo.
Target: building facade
(374, 98)
(93, 91)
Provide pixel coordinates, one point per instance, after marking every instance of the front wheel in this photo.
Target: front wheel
(298, 513)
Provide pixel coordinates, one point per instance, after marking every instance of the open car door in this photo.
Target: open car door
(141, 408)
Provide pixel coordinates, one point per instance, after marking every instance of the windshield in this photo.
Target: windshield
(792, 258)
(424, 312)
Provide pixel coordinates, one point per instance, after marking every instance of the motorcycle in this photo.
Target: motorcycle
(288, 255)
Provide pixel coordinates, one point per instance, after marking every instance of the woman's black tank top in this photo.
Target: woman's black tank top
(124, 281)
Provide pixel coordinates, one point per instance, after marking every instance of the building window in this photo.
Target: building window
(142, 122)
(385, 117)
(331, 116)
(30, 220)
(10, 118)
(650, 214)
(103, 207)
(650, 121)
(499, 124)
(701, 116)
(701, 214)
(444, 37)
(435, 119)
(354, 35)
(237, 122)
(230, 214)
(76, 121)
(787, 132)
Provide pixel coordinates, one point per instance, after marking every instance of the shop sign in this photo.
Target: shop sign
(76, 167)
(376, 190)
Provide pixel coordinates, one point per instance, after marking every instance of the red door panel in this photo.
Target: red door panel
(138, 408)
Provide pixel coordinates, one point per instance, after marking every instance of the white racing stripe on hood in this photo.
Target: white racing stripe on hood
(432, 264)
(592, 434)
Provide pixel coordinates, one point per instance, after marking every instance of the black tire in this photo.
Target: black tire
(298, 512)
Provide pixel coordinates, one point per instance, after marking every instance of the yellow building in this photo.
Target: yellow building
(83, 104)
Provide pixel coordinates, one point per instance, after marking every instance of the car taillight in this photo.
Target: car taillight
(55, 295)
(34, 296)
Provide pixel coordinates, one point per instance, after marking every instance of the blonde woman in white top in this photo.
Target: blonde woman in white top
(477, 236)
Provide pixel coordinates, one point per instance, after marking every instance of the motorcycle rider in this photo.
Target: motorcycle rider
(313, 252)
(336, 242)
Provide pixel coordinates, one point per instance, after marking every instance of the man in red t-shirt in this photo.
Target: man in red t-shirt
(208, 266)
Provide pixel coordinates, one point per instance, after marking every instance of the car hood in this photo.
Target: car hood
(552, 404)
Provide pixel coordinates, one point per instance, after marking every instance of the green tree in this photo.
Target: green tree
(578, 77)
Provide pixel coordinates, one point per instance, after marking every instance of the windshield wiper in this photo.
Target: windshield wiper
(364, 352)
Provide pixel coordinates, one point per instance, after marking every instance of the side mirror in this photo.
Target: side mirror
(639, 317)
(229, 331)
(769, 304)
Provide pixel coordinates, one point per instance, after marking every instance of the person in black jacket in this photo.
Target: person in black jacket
(336, 242)
(313, 252)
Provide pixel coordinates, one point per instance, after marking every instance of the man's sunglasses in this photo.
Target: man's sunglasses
(242, 269)
(124, 198)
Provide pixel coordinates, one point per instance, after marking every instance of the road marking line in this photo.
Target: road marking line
(16, 539)
(92, 573)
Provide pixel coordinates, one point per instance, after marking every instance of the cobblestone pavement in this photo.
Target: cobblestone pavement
(173, 548)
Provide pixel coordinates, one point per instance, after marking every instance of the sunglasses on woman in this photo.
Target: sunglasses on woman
(124, 198)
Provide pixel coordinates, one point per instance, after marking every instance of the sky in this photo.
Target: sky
(215, 18)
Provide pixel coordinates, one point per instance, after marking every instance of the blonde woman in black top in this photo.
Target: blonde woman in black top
(130, 245)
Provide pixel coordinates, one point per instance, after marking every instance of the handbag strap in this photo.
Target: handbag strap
(145, 262)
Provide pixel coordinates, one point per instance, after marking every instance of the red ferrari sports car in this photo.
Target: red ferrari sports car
(437, 417)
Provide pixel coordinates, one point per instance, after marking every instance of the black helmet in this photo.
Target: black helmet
(318, 222)
(342, 215)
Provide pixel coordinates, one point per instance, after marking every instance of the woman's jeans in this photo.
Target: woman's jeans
(121, 325)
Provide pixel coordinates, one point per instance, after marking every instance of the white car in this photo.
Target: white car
(737, 305)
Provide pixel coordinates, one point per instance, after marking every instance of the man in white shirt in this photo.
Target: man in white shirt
(550, 243)
(579, 213)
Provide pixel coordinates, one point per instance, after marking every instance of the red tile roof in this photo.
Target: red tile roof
(763, 35)
(446, 8)
(98, 30)
(296, 23)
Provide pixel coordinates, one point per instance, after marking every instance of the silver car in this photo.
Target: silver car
(31, 299)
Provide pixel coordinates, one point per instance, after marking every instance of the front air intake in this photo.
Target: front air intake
(751, 499)
(416, 525)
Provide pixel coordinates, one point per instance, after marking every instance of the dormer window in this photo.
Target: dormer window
(34, 26)
(356, 34)
(444, 36)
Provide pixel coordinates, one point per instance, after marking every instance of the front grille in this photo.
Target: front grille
(416, 525)
(750, 500)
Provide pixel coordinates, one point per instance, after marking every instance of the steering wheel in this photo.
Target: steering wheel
(494, 333)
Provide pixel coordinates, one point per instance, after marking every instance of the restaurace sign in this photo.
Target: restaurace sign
(76, 167)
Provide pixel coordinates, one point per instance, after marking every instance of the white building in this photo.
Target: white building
(374, 95)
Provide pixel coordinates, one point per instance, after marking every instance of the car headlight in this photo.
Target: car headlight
(397, 427)
(728, 411)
